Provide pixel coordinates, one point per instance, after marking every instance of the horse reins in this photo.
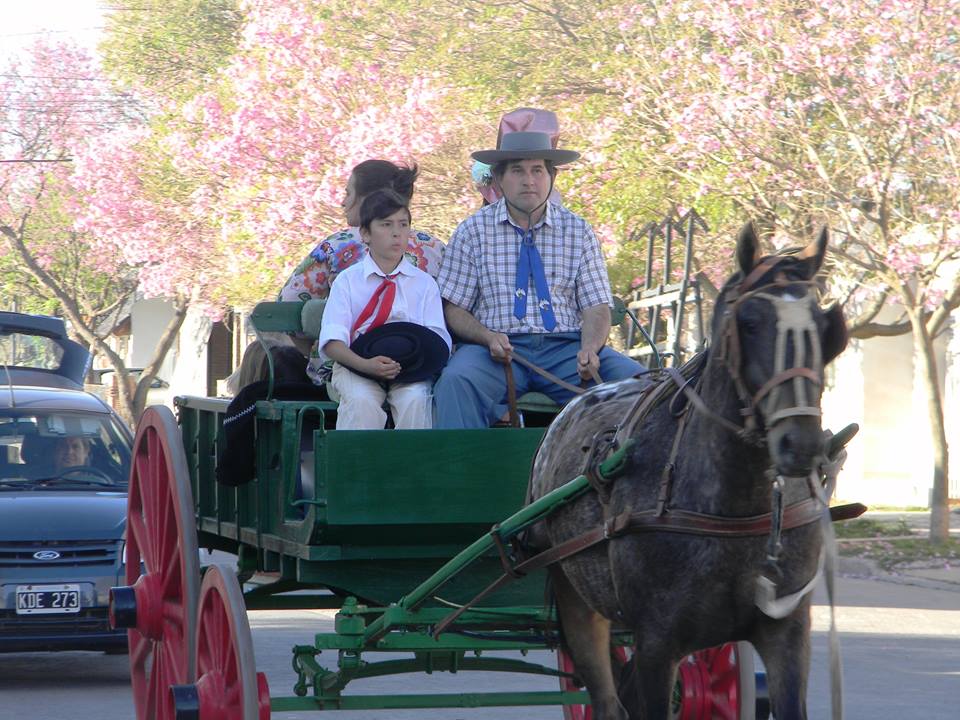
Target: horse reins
(512, 385)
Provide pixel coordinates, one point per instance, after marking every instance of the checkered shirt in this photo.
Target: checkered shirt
(479, 269)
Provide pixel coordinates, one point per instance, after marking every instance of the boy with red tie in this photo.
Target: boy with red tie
(383, 327)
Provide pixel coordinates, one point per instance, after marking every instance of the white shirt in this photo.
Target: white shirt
(417, 301)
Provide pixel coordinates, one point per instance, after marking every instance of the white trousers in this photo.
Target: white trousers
(361, 402)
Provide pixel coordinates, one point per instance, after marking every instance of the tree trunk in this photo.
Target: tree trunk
(939, 510)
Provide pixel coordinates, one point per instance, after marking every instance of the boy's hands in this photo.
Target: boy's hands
(381, 367)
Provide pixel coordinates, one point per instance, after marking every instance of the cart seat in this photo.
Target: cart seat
(303, 319)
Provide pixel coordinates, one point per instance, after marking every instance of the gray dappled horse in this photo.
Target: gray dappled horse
(682, 591)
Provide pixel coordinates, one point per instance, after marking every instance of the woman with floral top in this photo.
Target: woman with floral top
(314, 275)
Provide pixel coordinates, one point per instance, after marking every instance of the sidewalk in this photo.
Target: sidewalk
(938, 575)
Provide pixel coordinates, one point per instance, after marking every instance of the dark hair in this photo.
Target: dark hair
(372, 175)
(289, 365)
(501, 167)
(381, 204)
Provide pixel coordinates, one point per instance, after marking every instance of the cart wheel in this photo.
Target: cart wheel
(565, 664)
(228, 687)
(717, 683)
(159, 605)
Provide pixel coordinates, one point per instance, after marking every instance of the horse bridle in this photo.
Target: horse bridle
(795, 321)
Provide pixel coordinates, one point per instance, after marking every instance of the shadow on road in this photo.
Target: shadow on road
(62, 670)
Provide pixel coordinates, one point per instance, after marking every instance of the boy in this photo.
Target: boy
(380, 296)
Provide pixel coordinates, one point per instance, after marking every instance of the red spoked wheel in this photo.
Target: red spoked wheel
(567, 684)
(159, 602)
(228, 687)
(714, 684)
(717, 684)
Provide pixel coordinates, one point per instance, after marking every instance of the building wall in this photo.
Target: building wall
(184, 370)
(951, 401)
(874, 383)
(190, 359)
(148, 320)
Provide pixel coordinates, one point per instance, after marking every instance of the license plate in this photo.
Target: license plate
(47, 599)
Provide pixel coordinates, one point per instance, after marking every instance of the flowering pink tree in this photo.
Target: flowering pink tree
(51, 104)
(844, 112)
(266, 151)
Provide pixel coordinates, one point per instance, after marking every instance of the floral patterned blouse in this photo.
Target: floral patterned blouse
(314, 275)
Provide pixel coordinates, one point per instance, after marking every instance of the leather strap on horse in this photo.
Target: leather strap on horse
(686, 522)
(701, 406)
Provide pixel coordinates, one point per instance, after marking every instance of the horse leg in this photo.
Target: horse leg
(646, 688)
(587, 636)
(784, 646)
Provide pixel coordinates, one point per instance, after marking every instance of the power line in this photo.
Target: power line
(28, 162)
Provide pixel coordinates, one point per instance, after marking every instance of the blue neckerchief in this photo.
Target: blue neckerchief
(529, 263)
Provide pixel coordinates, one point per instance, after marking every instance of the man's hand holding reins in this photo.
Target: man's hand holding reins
(593, 336)
(500, 347)
(588, 364)
(466, 327)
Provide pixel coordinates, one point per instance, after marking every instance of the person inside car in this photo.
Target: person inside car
(71, 451)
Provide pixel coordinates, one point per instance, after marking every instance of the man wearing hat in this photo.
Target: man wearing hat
(523, 275)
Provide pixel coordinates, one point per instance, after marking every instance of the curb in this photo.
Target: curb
(870, 570)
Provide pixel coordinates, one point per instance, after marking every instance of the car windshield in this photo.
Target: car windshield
(62, 450)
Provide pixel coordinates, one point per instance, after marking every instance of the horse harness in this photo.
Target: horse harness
(608, 454)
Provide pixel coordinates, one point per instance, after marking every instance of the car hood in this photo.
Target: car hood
(49, 515)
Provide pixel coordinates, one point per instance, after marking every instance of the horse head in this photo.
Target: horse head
(775, 341)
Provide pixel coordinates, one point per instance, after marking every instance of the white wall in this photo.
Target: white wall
(842, 404)
(874, 384)
(951, 400)
(148, 319)
(190, 372)
(185, 366)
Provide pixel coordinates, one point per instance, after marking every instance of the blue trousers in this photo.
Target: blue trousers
(472, 391)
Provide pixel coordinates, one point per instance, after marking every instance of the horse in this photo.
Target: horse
(753, 416)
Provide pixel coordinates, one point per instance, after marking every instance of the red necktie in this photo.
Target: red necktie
(384, 295)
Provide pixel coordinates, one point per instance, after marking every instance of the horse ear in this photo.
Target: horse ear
(812, 255)
(748, 249)
(835, 334)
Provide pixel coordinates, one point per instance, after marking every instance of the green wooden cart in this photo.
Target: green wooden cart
(395, 529)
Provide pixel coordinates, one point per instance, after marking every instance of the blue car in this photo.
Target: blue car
(64, 466)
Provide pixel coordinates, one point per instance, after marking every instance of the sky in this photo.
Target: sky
(23, 21)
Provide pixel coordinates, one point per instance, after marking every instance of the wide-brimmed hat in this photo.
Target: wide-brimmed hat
(522, 119)
(525, 145)
(421, 352)
(530, 120)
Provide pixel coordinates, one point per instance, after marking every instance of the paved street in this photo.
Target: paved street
(901, 652)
